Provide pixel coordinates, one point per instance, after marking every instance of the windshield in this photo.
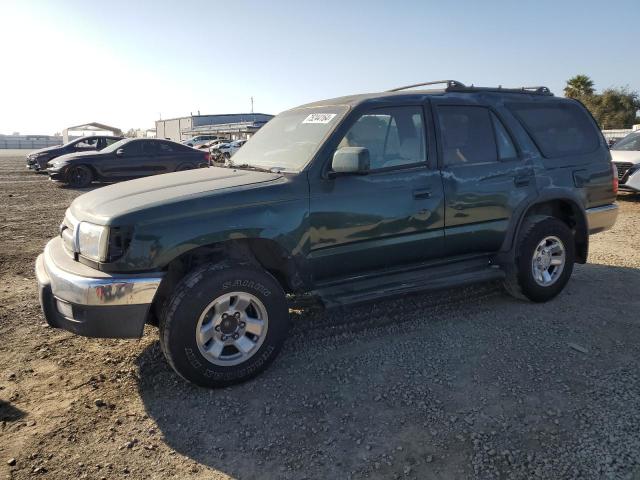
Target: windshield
(114, 146)
(289, 140)
(630, 142)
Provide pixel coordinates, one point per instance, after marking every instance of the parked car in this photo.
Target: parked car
(626, 156)
(216, 154)
(211, 144)
(349, 200)
(38, 159)
(126, 159)
(612, 141)
(227, 150)
(199, 140)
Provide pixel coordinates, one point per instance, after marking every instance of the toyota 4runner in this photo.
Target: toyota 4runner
(350, 199)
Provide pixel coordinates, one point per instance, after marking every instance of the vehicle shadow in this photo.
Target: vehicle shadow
(93, 186)
(630, 197)
(9, 413)
(353, 388)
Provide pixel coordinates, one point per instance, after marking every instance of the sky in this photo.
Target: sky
(128, 63)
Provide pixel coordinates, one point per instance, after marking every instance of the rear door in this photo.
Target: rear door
(175, 157)
(159, 157)
(484, 175)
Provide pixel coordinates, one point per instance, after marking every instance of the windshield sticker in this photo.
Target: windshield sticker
(319, 118)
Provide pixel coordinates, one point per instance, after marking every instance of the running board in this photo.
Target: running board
(368, 288)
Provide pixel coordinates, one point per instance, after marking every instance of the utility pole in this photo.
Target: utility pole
(251, 104)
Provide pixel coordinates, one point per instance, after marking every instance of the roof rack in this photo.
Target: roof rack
(456, 86)
(449, 83)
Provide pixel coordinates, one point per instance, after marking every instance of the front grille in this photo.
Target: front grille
(623, 168)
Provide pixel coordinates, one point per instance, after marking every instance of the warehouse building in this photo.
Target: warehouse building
(233, 126)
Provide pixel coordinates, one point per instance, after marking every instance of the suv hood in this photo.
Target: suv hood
(104, 205)
(627, 156)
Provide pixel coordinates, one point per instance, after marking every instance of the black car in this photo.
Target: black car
(38, 159)
(126, 159)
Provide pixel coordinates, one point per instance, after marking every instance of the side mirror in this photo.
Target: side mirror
(351, 160)
(120, 152)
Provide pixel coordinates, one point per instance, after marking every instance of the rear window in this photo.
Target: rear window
(558, 129)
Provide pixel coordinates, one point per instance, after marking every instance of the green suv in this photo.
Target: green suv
(349, 200)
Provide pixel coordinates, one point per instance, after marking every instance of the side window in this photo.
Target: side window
(558, 128)
(150, 148)
(506, 148)
(111, 141)
(394, 137)
(166, 148)
(467, 135)
(132, 148)
(89, 142)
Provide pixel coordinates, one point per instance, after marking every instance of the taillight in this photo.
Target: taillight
(207, 158)
(614, 170)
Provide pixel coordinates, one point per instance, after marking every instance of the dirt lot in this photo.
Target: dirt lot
(467, 383)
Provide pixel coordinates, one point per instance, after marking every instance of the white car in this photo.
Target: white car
(195, 142)
(228, 149)
(626, 156)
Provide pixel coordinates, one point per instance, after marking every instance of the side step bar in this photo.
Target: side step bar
(365, 289)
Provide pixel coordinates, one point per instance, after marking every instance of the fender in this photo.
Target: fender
(547, 197)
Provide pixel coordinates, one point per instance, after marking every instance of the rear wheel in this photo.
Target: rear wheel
(79, 176)
(224, 325)
(544, 259)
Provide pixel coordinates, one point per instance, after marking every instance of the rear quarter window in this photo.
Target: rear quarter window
(558, 129)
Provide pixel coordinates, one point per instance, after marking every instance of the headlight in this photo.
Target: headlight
(93, 241)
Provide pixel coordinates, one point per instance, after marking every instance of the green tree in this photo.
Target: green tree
(614, 107)
(131, 133)
(579, 86)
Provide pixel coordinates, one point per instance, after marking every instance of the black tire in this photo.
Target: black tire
(79, 176)
(190, 298)
(520, 281)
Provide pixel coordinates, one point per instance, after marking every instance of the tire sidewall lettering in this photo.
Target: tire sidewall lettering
(251, 284)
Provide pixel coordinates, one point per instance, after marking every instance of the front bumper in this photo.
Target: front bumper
(601, 218)
(629, 176)
(57, 174)
(91, 303)
(631, 181)
(37, 164)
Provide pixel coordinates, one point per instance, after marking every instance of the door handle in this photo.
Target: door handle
(424, 193)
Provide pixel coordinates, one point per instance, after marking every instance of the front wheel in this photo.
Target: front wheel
(79, 176)
(224, 325)
(544, 259)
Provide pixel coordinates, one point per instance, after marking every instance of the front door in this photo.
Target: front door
(484, 176)
(391, 216)
(128, 163)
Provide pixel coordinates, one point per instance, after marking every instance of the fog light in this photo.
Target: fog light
(65, 309)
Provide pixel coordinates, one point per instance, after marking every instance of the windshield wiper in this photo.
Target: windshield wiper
(246, 166)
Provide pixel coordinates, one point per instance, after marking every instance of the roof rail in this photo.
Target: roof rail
(449, 83)
(456, 86)
(538, 90)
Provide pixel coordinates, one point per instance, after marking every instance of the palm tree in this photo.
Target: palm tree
(579, 86)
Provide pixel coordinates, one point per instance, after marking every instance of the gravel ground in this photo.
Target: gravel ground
(465, 383)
